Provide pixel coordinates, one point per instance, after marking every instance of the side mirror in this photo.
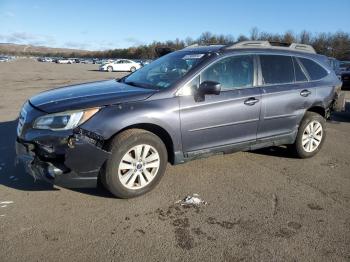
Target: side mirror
(206, 88)
(210, 88)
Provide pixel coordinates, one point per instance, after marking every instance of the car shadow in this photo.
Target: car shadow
(14, 175)
(344, 116)
(276, 151)
(345, 87)
(285, 152)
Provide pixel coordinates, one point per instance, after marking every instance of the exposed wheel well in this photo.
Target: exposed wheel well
(157, 130)
(318, 109)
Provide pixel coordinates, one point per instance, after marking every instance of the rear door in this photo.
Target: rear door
(228, 118)
(286, 95)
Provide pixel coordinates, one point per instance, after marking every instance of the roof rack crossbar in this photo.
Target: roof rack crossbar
(267, 44)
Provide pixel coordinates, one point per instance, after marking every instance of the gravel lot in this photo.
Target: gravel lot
(262, 206)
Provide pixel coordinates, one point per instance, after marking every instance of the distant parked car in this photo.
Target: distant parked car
(335, 64)
(344, 65)
(120, 65)
(139, 61)
(345, 72)
(4, 59)
(44, 59)
(54, 59)
(146, 62)
(345, 77)
(86, 61)
(65, 61)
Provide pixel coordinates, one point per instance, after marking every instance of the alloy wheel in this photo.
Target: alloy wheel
(139, 166)
(312, 136)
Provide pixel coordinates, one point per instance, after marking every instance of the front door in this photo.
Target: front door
(228, 118)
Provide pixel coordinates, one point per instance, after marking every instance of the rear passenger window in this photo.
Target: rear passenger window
(315, 71)
(231, 72)
(299, 74)
(277, 69)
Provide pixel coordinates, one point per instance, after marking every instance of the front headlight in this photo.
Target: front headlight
(64, 120)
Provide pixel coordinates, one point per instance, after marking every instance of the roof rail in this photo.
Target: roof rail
(302, 47)
(250, 44)
(273, 45)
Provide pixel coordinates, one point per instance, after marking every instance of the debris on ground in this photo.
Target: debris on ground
(6, 202)
(191, 200)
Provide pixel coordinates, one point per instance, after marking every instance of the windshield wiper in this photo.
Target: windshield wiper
(130, 83)
(141, 85)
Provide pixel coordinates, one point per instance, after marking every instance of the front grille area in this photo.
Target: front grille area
(21, 120)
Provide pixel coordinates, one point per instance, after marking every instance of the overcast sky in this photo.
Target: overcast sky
(99, 25)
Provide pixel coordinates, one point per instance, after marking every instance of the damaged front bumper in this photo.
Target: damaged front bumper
(79, 167)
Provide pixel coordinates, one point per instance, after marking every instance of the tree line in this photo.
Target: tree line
(330, 44)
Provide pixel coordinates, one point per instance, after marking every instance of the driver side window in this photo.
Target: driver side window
(233, 72)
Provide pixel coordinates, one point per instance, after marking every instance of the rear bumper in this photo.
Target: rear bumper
(80, 168)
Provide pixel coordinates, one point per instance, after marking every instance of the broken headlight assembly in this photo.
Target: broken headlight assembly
(64, 120)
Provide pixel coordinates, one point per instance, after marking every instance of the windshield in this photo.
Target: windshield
(165, 71)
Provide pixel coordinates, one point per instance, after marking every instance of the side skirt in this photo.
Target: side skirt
(284, 139)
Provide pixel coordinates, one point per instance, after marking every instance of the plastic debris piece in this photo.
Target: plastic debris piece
(191, 200)
(6, 202)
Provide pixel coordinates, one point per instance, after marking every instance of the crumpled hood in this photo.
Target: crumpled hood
(88, 95)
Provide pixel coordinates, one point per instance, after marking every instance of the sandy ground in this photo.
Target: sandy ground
(262, 206)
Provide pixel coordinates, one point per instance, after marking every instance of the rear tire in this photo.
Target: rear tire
(311, 135)
(137, 163)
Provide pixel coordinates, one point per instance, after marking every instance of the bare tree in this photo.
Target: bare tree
(254, 34)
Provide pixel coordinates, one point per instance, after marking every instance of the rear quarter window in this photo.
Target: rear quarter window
(299, 74)
(277, 69)
(314, 70)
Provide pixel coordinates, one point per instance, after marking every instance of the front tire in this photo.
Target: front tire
(110, 69)
(137, 163)
(311, 135)
(132, 69)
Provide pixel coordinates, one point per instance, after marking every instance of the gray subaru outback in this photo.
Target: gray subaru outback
(199, 101)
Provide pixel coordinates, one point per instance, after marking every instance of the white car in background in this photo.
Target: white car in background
(120, 65)
(65, 61)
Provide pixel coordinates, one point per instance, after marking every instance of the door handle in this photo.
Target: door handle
(305, 93)
(251, 101)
